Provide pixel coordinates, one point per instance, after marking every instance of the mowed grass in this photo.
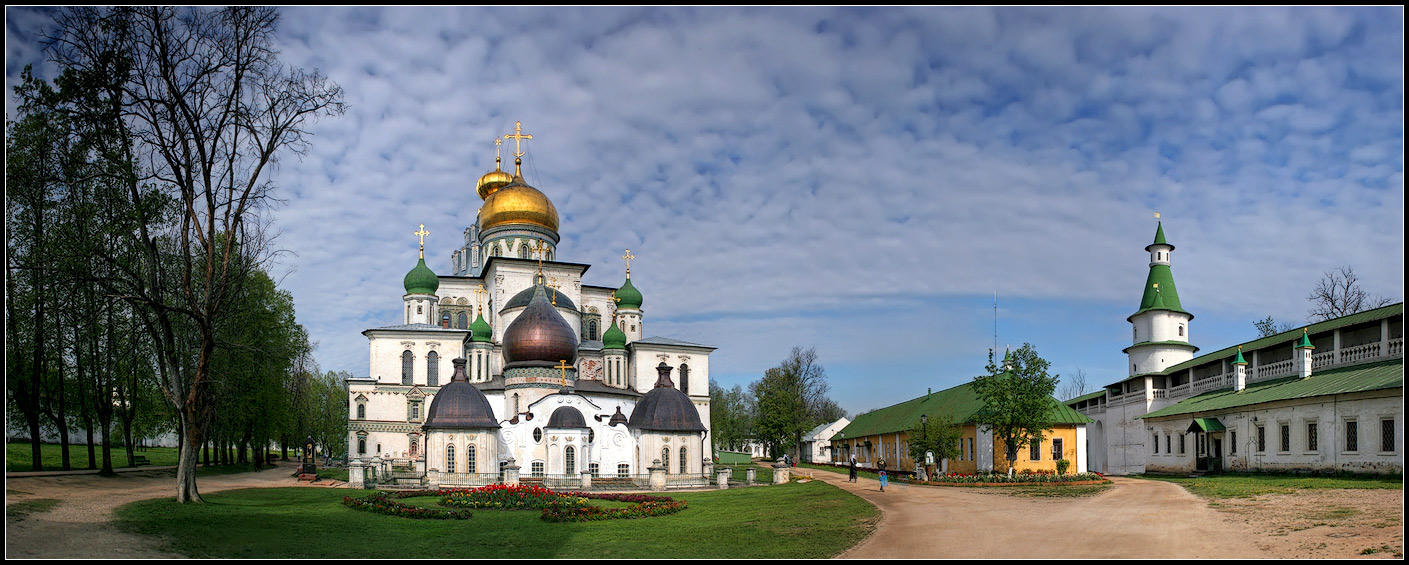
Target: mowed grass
(18, 456)
(793, 521)
(18, 510)
(1241, 485)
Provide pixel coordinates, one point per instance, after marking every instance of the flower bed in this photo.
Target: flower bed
(591, 513)
(1002, 479)
(506, 497)
(381, 503)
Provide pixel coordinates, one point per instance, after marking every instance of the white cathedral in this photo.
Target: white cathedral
(512, 362)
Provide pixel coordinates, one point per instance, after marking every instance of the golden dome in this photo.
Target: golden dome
(492, 181)
(518, 203)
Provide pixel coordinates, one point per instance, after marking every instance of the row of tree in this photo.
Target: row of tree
(139, 224)
(776, 410)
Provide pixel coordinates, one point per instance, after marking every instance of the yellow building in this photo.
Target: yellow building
(883, 434)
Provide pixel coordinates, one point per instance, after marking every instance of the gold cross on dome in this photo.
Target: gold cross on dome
(540, 248)
(479, 296)
(614, 301)
(497, 143)
(518, 136)
(628, 257)
(563, 366)
(422, 233)
(554, 285)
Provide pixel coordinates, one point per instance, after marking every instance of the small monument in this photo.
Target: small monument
(309, 461)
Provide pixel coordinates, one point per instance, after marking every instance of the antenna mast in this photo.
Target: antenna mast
(995, 322)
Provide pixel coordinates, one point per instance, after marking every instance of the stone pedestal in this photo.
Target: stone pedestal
(586, 483)
(376, 470)
(723, 478)
(657, 475)
(356, 476)
(511, 473)
(780, 473)
(750, 475)
(708, 467)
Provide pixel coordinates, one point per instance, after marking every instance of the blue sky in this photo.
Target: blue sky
(858, 180)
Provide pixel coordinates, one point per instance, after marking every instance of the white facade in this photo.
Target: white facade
(817, 444)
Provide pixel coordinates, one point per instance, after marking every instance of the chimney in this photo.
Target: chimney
(1240, 372)
(1303, 349)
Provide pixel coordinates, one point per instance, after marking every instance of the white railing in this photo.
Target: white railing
(1396, 346)
(1322, 359)
(1211, 383)
(1159, 393)
(1360, 352)
(1273, 370)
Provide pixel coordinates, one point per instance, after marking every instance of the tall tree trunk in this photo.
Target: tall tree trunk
(92, 453)
(186, 490)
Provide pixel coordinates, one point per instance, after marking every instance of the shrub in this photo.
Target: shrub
(1062, 466)
(381, 503)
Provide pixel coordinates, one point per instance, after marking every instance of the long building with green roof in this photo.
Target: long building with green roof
(1326, 396)
(883, 434)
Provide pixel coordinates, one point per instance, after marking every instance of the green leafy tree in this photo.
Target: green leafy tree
(791, 399)
(1017, 400)
(729, 419)
(937, 433)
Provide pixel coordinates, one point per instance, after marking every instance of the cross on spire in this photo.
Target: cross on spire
(553, 284)
(479, 297)
(563, 366)
(422, 233)
(518, 136)
(540, 248)
(628, 257)
(614, 301)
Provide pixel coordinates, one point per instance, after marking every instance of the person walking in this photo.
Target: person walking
(881, 465)
(852, 477)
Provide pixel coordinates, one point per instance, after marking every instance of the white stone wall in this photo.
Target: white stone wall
(653, 442)
(1330, 415)
(386, 347)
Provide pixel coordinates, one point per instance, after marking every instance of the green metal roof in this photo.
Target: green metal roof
(627, 296)
(1159, 235)
(1345, 380)
(614, 338)
(1206, 425)
(1163, 297)
(480, 330)
(1305, 341)
(959, 402)
(420, 280)
(1288, 336)
(1086, 397)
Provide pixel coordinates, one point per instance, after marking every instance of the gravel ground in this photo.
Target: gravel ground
(1135, 519)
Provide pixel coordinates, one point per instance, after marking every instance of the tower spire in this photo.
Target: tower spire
(422, 233)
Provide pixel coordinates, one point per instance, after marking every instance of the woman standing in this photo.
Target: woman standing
(852, 477)
(881, 464)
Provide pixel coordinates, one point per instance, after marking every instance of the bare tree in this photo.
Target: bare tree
(1074, 385)
(1267, 327)
(1339, 294)
(197, 103)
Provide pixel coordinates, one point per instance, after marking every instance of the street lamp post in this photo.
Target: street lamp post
(924, 463)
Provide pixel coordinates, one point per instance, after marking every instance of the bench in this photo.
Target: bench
(140, 460)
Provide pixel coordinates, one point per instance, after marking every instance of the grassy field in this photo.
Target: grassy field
(794, 521)
(1238, 485)
(18, 456)
(332, 473)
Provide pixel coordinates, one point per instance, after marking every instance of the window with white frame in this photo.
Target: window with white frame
(470, 464)
(537, 468)
(1181, 444)
(1311, 436)
(1057, 449)
(971, 449)
(595, 469)
(570, 460)
(623, 470)
(1286, 439)
(1352, 436)
(1166, 444)
(450, 459)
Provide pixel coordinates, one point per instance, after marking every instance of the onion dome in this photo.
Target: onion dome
(540, 333)
(566, 417)
(518, 203)
(628, 296)
(665, 408)
(617, 418)
(614, 338)
(493, 180)
(524, 296)
(421, 280)
(460, 405)
(480, 331)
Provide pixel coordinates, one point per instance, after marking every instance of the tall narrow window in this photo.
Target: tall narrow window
(462, 321)
(516, 404)
(569, 460)
(684, 462)
(1034, 450)
(1261, 439)
(1233, 442)
(361, 411)
(1057, 449)
(1166, 444)
(407, 359)
(684, 378)
(1181, 444)
(361, 445)
(450, 458)
(470, 464)
(971, 449)
(1286, 438)
(1311, 439)
(1181, 331)
(1352, 439)
(1387, 434)
(523, 251)
(592, 329)
(665, 458)
(1156, 436)
(432, 369)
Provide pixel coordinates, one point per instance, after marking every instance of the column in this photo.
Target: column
(586, 480)
(780, 473)
(723, 478)
(657, 475)
(355, 474)
(511, 473)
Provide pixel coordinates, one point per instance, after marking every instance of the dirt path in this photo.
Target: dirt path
(1135, 519)
(80, 525)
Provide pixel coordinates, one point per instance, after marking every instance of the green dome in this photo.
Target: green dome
(421, 280)
(614, 338)
(627, 296)
(480, 331)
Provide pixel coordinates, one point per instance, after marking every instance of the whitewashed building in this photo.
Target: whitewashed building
(817, 443)
(1326, 397)
(570, 381)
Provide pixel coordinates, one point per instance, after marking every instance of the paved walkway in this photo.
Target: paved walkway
(1135, 519)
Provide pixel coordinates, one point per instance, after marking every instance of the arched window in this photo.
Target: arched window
(684, 378)
(432, 369)
(361, 444)
(450, 458)
(516, 404)
(1181, 330)
(494, 252)
(361, 411)
(592, 329)
(665, 458)
(470, 465)
(684, 463)
(523, 251)
(462, 321)
(1135, 333)
(570, 460)
(407, 359)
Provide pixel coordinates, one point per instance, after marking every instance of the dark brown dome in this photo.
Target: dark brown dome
(665, 408)
(540, 333)
(566, 417)
(460, 405)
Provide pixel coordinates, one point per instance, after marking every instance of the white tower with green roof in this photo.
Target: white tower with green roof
(1160, 328)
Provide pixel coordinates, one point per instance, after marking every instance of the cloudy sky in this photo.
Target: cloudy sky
(862, 181)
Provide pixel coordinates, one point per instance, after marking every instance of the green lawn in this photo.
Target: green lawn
(794, 521)
(333, 473)
(18, 456)
(1245, 485)
(17, 511)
